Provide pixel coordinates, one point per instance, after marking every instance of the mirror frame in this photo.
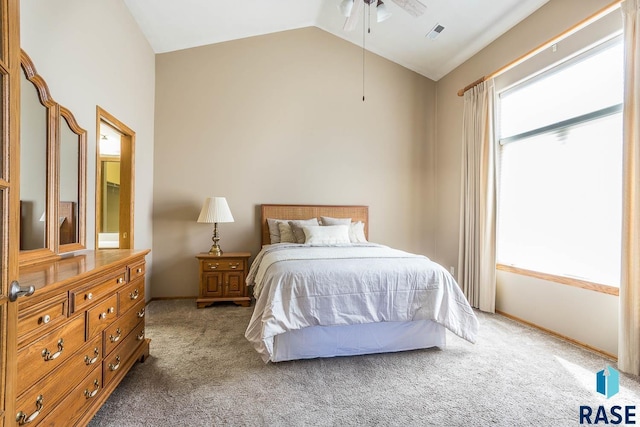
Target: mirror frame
(127, 173)
(68, 117)
(56, 113)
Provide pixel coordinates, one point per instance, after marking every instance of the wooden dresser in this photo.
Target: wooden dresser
(78, 334)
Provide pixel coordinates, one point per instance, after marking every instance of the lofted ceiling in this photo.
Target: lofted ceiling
(469, 26)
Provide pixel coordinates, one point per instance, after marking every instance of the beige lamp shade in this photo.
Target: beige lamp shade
(215, 209)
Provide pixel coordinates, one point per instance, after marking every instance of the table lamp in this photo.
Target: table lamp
(215, 210)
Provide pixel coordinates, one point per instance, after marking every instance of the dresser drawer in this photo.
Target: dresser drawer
(77, 401)
(45, 394)
(49, 352)
(131, 294)
(87, 296)
(101, 316)
(118, 359)
(41, 318)
(223, 264)
(136, 270)
(122, 327)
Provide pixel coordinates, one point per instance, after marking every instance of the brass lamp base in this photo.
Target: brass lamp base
(215, 248)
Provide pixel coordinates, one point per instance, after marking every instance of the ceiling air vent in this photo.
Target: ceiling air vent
(435, 32)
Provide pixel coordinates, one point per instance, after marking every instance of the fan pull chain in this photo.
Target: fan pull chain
(363, 48)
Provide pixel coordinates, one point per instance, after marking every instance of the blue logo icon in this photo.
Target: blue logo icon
(608, 382)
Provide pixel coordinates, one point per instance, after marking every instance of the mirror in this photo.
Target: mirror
(109, 163)
(52, 173)
(71, 207)
(115, 144)
(33, 168)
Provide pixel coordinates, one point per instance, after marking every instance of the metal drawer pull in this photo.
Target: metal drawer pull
(141, 336)
(213, 267)
(89, 394)
(134, 294)
(234, 266)
(117, 337)
(45, 319)
(138, 270)
(22, 418)
(115, 367)
(46, 354)
(120, 280)
(111, 310)
(88, 361)
(88, 296)
(141, 313)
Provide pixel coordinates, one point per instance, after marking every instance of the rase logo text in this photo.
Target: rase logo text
(608, 384)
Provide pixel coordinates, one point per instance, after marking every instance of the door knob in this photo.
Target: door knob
(16, 291)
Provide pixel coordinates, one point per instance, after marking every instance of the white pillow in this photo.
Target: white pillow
(356, 232)
(326, 235)
(327, 220)
(286, 233)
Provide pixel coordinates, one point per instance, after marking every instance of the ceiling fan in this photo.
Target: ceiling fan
(352, 8)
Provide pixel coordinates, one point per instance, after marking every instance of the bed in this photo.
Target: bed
(331, 297)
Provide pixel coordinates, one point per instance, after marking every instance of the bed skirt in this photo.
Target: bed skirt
(351, 340)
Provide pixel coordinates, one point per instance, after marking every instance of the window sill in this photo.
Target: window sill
(605, 289)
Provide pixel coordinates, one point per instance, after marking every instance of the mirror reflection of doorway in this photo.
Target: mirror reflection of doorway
(114, 189)
(110, 140)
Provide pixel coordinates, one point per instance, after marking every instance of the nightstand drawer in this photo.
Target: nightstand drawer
(223, 264)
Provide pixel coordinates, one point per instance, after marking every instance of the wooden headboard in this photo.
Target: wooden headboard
(67, 222)
(356, 213)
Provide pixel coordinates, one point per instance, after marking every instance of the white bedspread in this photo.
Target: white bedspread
(297, 286)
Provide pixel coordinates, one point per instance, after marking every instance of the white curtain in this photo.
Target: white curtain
(629, 325)
(477, 255)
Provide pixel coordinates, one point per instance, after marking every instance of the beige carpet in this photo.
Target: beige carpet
(203, 372)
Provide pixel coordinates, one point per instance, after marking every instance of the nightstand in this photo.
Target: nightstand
(222, 278)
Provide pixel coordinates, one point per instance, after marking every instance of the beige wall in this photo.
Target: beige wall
(550, 20)
(280, 119)
(93, 53)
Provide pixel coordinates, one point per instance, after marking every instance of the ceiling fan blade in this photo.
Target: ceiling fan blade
(413, 7)
(352, 20)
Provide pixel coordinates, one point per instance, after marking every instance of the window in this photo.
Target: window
(560, 163)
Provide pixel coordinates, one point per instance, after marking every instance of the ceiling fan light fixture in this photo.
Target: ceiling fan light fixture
(382, 14)
(345, 7)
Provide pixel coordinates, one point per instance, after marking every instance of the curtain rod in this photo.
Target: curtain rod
(574, 29)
